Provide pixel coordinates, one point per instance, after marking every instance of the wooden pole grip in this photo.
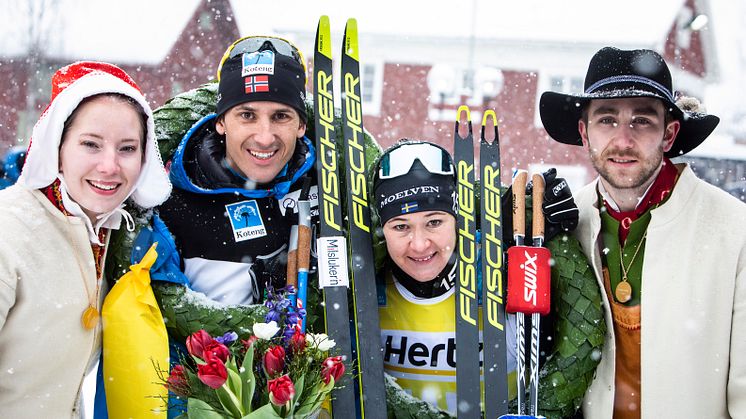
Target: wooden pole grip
(519, 203)
(537, 199)
(304, 247)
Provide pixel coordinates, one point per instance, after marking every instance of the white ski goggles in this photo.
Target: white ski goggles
(398, 161)
(260, 43)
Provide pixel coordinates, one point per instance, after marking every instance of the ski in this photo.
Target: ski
(494, 365)
(368, 334)
(467, 324)
(331, 244)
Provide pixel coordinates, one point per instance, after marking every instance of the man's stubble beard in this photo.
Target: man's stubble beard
(643, 176)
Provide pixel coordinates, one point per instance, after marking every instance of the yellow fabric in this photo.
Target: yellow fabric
(418, 340)
(135, 345)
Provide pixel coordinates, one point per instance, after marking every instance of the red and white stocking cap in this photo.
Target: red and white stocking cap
(70, 86)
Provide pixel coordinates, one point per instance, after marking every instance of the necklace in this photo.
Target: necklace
(90, 317)
(623, 290)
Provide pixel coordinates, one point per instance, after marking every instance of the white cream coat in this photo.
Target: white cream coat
(46, 264)
(693, 305)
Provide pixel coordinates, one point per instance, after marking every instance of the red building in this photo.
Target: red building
(411, 87)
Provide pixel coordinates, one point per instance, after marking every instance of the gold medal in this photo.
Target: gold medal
(623, 292)
(90, 318)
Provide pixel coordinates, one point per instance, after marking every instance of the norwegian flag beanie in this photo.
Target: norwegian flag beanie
(262, 76)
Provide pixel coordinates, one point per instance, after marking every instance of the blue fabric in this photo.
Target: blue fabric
(167, 266)
(181, 180)
(176, 405)
(100, 410)
(10, 167)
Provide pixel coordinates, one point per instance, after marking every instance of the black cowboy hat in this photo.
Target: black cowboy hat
(614, 73)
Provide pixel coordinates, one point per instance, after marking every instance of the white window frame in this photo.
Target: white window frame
(372, 89)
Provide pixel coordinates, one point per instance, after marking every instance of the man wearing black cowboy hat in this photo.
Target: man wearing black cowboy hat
(668, 249)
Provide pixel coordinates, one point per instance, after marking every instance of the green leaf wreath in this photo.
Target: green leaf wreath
(576, 299)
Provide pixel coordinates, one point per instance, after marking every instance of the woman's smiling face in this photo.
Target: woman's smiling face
(421, 243)
(102, 154)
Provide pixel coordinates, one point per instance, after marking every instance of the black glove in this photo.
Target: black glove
(558, 205)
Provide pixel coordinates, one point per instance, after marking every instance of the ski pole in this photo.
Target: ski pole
(292, 266)
(528, 285)
(519, 234)
(537, 233)
(304, 248)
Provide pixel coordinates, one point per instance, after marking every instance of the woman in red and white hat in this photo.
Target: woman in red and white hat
(92, 149)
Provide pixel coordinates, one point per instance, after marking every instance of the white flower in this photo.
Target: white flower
(320, 341)
(265, 331)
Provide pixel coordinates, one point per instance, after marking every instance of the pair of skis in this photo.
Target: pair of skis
(493, 360)
(528, 285)
(332, 244)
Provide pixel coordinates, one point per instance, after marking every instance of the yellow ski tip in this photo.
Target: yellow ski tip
(323, 37)
(351, 43)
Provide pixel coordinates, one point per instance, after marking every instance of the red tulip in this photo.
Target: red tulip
(297, 342)
(281, 390)
(218, 349)
(197, 342)
(274, 360)
(332, 367)
(177, 381)
(214, 373)
(200, 343)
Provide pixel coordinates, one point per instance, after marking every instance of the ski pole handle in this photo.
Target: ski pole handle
(537, 197)
(519, 206)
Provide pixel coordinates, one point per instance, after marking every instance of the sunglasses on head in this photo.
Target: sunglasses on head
(399, 161)
(260, 43)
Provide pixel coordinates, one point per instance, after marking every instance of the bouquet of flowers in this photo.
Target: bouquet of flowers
(278, 372)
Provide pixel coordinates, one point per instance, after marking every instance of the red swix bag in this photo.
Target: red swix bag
(529, 278)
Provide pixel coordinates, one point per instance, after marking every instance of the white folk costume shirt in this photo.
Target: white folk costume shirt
(47, 270)
(693, 305)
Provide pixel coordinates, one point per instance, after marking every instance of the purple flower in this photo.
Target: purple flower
(273, 315)
(227, 338)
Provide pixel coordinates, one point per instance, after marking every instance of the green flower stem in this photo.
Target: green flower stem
(247, 378)
(229, 401)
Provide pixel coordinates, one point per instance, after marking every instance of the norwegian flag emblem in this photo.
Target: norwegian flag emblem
(256, 84)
